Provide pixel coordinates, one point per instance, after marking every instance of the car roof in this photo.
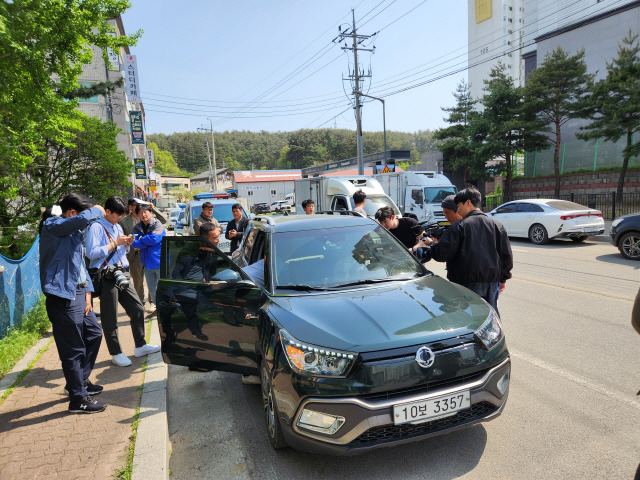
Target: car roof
(299, 223)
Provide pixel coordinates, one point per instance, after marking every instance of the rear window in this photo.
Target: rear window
(566, 205)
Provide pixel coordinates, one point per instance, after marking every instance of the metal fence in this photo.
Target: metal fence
(578, 156)
(610, 206)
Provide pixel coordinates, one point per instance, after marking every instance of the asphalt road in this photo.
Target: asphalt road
(572, 411)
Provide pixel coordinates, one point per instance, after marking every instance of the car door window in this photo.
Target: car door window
(249, 241)
(339, 203)
(508, 208)
(193, 259)
(528, 208)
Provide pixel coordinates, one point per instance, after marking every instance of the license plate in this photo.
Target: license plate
(432, 408)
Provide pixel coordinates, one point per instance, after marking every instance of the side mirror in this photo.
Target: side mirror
(227, 275)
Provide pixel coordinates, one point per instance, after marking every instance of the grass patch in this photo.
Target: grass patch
(20, 338)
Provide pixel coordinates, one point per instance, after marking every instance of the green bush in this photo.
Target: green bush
(20, 338)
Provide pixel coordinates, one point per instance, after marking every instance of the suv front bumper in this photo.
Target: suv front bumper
(369, 423)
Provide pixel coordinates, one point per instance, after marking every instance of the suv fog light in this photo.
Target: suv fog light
(320, 422)
(503, 383)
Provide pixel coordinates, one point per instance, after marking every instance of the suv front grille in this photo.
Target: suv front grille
(391, 433)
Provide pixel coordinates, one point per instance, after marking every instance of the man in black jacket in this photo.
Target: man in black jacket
(476, 249)
(236, 227)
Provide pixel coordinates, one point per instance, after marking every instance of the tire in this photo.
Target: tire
(274, 430)
(578, 239)
(629, 245)
(538, 234)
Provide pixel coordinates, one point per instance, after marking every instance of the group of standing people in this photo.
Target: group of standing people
(475, 247)
(81, 242)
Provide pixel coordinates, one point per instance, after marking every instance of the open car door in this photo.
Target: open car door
(206, 308)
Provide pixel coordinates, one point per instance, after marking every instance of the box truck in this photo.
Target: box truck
(336, 193)
(418, 193)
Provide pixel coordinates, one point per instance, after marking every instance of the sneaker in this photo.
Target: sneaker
(90, 387)
(86, 405)
(250, 380)
(145, 350)
(120, 360)
(200, 336)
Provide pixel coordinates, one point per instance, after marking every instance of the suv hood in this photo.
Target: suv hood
(382, 317)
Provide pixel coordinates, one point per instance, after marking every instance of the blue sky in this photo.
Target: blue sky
(270, 65)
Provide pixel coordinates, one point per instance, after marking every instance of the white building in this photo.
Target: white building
(496, 34)
(264, 186)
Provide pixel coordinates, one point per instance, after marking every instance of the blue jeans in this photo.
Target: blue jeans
(488, 291)
(152, 277)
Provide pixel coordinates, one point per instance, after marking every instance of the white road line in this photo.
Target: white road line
(628, 399)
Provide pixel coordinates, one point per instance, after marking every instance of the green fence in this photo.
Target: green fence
(577, 156)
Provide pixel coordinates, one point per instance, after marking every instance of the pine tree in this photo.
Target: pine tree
(553, 93)
(504, 127)
(614, 103)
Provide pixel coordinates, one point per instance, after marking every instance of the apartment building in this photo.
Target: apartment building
(496, 34)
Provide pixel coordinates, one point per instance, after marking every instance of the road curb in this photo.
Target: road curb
(151, 454)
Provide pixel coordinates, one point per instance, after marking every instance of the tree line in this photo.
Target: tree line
(509, 119)
(244, 150)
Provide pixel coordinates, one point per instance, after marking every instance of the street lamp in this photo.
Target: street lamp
(384, 122)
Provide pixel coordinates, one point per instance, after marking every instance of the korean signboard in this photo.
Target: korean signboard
(114, 58)
(141, 170)
(137, 133)
(131, 77)
(151, 161)
(152, 186)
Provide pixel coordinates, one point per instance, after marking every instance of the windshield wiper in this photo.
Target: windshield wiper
(369, 281)
(300, 287)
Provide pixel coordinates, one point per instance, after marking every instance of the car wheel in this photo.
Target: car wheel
(629, 245)
(538, 234)
(274, 430)
(578, 239)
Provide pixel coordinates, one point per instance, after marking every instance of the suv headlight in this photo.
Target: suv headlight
(490, 333)
(314, 360)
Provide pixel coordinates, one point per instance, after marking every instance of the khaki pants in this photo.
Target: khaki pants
(137, 274)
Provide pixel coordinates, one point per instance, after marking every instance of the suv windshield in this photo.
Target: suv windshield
(335, 257)
(222, 213)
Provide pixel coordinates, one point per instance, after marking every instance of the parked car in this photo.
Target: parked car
(280, 206)
(541, 220)
(260, 208)
(172, 217)
(357, 345)
(625, 234)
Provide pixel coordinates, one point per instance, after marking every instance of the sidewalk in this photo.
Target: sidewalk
(40, 439)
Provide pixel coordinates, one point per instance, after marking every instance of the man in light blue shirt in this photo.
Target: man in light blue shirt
(105, 236)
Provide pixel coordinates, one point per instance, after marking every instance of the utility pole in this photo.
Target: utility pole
(213, 180)
(356, 75)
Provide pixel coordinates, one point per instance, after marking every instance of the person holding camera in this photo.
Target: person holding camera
(476, 249)
(148, 238)
(67, 288)
(404, 229)
(107, 251)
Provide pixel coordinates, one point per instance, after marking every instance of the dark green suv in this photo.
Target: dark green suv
(357, 345)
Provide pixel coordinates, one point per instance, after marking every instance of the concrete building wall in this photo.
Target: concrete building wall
(495, 35)
(264, 192)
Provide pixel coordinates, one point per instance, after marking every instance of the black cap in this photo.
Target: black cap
(449, 203)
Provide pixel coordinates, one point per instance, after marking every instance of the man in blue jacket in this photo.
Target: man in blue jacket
(148, 238)
(67, 287)
(107, 247)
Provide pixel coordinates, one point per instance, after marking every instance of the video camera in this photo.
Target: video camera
(431, 229)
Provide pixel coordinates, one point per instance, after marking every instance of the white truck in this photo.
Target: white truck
(336, 193)
(418, 193)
